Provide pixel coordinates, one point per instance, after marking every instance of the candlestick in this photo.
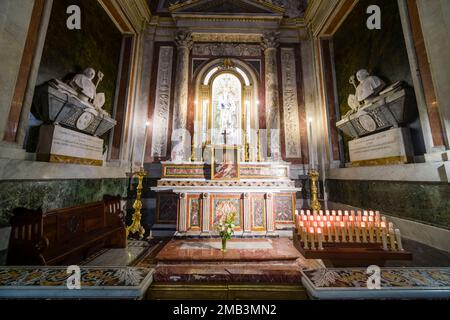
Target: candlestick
(319, 235)
(383, 236)
(398, 236)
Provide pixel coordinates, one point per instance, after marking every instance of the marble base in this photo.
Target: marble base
(396, 283)
(97, 283)
(60, 145)
(388, 147)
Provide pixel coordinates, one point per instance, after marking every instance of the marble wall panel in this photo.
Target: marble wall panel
(422, 202)
(54, 194)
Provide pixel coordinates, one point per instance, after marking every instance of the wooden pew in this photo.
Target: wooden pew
(65, 236)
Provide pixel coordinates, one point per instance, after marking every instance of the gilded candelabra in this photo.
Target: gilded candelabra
(136, 226)
(314, 175)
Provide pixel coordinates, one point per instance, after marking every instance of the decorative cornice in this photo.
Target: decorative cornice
(130, 16)
(323, 17)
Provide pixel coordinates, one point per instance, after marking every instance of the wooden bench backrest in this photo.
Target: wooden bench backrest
(63, 226)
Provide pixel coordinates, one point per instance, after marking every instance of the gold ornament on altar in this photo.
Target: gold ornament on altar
(136, 226)
(314, 175)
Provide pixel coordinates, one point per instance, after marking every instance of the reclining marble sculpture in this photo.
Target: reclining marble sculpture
(374, 107)
(75, 104)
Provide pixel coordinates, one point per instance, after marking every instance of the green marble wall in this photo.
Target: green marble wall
(423, 202)
(54, 194)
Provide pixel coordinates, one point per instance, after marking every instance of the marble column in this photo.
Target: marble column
(247, 214)
(181, 143)
(182, 214)
(270, 44)
(269, 211)
(205, 213)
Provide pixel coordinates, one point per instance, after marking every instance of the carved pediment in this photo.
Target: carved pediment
(226, 7)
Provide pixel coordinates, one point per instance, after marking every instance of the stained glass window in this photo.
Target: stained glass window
(226, 110)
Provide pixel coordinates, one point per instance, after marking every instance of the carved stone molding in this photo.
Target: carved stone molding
(162, 102)
(226, 49)
(290, 103)
(226, 38)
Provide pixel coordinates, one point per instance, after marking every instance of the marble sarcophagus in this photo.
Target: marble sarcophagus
(386, 111)
(56, 106)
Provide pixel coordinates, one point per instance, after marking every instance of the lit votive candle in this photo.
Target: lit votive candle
(321, 213)
(344, 232)
(312, 238)
(327, 212)
(336, 232)
(308, 212)
(320, 239)
(296, 212)
(357, 233)
(329, 236)
(364, 232)
(392, 239)
(301, 225)
(398, 237)
(384, 239)
(333, 212)
(339, 212)
(305, 238)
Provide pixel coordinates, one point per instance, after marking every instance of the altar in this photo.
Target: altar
(263, 198)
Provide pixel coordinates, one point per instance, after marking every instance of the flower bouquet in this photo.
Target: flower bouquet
(226, 228)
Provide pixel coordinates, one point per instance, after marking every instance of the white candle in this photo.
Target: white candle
(398, 236)
(392, 239)
(313, 240)
(336, 232)
(329, 231)
(344, 233)
(364, 233)
(319, 234)
(313, 154)
(144, 145)
(383, 236)
(305, 243)
(357, 233)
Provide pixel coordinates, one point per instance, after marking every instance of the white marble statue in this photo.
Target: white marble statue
(87, 90)
(84, 85)
(369, 86)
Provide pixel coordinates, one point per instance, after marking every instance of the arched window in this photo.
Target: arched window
(226, 110)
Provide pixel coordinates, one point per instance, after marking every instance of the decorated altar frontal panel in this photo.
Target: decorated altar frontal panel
(256, 212)
(223, 205)
(283, 208)
(195, 210)
(246, 171)
(166, 208)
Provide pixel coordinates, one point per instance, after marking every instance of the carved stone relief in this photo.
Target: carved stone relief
(162, 103)
(290, 103)
(226, 49)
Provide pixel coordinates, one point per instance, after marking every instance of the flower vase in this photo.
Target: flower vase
(224, 245)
